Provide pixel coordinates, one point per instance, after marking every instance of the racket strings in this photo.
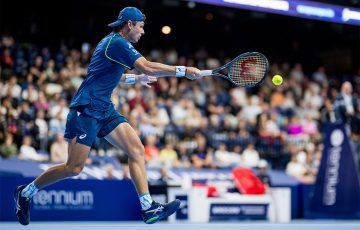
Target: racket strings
(249, 70)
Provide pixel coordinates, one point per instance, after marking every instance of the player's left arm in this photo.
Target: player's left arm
(143, 79)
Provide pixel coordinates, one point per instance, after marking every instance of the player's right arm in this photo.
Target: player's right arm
(161, 70)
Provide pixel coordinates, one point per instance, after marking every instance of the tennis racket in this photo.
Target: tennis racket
(246, 70)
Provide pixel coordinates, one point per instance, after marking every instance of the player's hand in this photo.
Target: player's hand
(192, 73)
(145, 80)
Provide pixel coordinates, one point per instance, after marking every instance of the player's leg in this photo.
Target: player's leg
(125, 137)
(24, 193)
(78, 153)
(79, 148)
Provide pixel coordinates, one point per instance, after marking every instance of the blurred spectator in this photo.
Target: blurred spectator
(6, 62)
(146, 127)
(295, 132)
(12, 89)
(26, 114)
(320, 76)
(202, 156)
(262, 174)
(164, 175)
(158, 117)
(109, 169)
(6, 108)
(27, 152)
(250, 157)
(137, 100)
(178, 112)
(56, 125)
(50, 70)
(183, 155)
(309, 126)
(8, 149)
(288, 104)
(26, 122)
(327, 113)
(199, 96)
(346, 107)
(238, 96)
(272, 128)
(277, 98)
(59, 149)
(168, 155)
(41, 103)
(43, 130)
(253, 109)
(312, 97)
(225, 159)
(313, 157)
(151, 150)
(61, 107)
(297, 73)
(295, 168)
(213, 105)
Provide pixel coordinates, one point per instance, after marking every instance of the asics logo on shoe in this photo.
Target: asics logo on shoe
(156, 210)
(82, 136)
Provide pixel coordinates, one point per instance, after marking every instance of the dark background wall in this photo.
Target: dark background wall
(230, 32)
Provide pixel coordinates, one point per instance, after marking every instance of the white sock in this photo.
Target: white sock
(145, 201)
(30, 190)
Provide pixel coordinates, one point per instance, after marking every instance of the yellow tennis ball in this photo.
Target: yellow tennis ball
(277, 80)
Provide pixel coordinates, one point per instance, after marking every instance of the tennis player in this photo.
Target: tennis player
(92, 115)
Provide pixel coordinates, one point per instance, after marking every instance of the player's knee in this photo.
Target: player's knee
(74, 170)
(137, 153)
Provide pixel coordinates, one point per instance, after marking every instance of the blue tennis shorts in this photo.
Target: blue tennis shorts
(86, 125)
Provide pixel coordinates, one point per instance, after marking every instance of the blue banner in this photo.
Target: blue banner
(337, 188)
(75, 200)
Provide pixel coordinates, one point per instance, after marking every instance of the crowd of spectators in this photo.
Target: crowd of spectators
(206, 123)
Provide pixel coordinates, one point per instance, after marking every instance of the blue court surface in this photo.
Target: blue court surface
(301, 225)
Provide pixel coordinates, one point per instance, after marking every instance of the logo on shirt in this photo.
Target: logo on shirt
(133, 49)
(82, 136)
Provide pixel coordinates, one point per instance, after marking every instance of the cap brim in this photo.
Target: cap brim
(115, 24)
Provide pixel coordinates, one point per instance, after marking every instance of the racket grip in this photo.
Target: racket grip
(206, 73)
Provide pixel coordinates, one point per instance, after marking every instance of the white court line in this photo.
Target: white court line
(240, 225)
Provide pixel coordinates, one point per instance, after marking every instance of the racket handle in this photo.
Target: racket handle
(206, 72)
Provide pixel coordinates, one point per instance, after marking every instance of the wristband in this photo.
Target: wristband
(180, 71)
(130, 79)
